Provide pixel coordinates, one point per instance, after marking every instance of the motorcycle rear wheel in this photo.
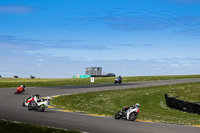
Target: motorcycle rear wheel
(30, 105)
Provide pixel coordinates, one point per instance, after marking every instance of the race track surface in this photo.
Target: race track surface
(11, 109)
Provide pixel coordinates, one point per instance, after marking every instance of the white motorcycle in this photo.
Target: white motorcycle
(130, 114)
(39, 105)
(118, 80)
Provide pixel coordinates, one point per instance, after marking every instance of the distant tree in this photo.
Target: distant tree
(0, 76)
(15, 76)
(32, 77)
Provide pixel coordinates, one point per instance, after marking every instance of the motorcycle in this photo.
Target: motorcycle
(20, 89)
(130, 114)
(29, 99)
(118, 80)
(39, 105)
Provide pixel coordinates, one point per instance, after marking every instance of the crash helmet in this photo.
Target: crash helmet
(37, 95)
(48, 98)
(24, 86)
(21, 86)
(137, 105)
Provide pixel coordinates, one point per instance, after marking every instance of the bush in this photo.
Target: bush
(15, 76)
(32, 77)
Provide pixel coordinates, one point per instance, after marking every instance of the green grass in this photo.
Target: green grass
(151, 99)
(14, 82)
(16, 127)
(190, 93)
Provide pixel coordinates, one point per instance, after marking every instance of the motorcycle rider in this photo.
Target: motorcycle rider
(118, 80)
(34, 95)
(21, 88)
(37, 95)
(48, 100)
(124, 109)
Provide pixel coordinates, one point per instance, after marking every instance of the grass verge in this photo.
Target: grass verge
(188, 93)
(14, 82)
(16, 127)
(151, 99)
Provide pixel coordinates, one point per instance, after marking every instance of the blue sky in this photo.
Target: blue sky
(60, 38)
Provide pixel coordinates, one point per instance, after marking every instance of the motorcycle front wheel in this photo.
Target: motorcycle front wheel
(132, 116)
(30, 105)
(41, 108)
(118, 115)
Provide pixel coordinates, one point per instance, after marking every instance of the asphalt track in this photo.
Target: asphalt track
(11, 109)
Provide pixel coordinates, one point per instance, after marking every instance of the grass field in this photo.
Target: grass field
(151, 99)
(15, 82)
(17, 127)
(189, 93)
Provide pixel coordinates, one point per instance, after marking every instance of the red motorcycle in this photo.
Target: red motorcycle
(20, 89)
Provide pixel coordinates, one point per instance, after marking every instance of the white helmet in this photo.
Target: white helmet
(137, 105)
(48, 98)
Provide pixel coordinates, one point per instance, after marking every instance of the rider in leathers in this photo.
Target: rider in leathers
(124, 109)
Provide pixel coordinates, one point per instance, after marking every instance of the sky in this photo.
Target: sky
(60, 38)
